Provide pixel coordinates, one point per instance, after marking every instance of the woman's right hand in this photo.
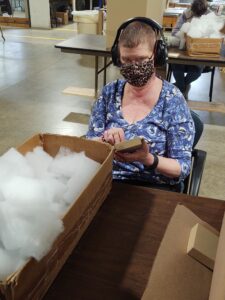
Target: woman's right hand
(114, 135)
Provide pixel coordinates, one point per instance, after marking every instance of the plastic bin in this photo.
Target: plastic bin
(87, 21)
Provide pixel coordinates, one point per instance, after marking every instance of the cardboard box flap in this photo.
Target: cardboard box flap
(175, 275)
(52, 143)
(217, 290)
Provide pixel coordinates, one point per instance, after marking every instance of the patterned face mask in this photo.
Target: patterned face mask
(138, 74)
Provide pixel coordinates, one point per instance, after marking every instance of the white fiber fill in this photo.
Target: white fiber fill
(35, 192)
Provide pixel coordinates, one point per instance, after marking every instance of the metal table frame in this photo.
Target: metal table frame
(95, 45)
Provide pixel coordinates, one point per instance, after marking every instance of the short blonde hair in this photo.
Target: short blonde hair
(136, 33)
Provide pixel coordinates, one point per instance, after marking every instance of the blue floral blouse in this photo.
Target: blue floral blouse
(168, 128)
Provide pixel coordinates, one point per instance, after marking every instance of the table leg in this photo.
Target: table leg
(2, 34)
(104, 77)
(96, 75)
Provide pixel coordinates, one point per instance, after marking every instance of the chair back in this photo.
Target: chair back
(193, 181)
(199, 126)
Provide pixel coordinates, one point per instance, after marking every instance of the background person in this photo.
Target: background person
(146, 106)
(182, 81)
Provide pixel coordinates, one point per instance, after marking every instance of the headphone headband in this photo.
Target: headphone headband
(161, 49)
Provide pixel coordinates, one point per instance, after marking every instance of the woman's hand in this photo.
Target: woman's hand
(141, 155)
(114, 136)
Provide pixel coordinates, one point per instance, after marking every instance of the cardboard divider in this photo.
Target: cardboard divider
(175, 275)
(202, 245)
(33, 280)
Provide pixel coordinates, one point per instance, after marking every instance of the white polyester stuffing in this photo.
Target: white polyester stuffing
(35, 191)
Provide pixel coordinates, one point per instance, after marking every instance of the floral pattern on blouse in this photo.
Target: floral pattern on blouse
(168, 128)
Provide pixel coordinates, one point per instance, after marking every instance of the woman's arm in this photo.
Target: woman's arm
(180, 21)
(166, 166)
(180, 136)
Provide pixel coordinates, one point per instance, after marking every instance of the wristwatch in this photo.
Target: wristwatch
(155, 163)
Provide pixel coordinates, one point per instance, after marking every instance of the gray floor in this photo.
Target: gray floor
(33, 75)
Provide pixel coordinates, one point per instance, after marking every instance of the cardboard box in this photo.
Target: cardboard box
(63, 16)
(89, 21)
(204, 47)
(176, 275)
(119, 11)
(33, 280)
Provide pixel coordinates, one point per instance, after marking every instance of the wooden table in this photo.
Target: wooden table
(95, 45)
(114, 258)
(177, 56)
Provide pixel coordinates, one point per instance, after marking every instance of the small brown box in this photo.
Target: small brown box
(204, 47)
(63, 16)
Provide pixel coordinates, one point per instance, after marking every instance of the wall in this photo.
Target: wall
(40, 14)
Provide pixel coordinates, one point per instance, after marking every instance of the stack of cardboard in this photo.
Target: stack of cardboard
(175, 274)
(119, 11)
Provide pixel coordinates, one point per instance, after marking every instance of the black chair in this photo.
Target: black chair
(193, 181)
(206, 69)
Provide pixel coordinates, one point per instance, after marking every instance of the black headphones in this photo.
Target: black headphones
(160, 46)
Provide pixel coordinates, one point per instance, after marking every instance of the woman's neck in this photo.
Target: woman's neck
(140, 92)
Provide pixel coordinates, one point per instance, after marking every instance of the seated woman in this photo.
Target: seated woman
(183, 82)
(147, 106)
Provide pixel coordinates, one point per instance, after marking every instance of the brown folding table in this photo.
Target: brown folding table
(114, 258)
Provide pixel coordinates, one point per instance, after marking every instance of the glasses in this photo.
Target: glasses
(139, 60)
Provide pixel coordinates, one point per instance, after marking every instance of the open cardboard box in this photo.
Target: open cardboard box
(33, 280)
(176, 275)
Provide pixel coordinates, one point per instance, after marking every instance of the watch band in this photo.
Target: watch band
(155, 163)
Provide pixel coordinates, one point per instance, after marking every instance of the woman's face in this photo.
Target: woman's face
(137, 64)
(138, 54)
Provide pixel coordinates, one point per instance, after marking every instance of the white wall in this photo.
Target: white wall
(40, 14)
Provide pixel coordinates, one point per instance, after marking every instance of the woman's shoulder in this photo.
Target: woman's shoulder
(114, 86)
(171, 89)
(172, 95)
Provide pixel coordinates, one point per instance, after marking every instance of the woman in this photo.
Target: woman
(146, 106)
(183, 82)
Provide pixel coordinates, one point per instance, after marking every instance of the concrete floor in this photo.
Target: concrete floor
(33, 75)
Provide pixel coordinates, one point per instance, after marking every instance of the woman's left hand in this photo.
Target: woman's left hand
(141, 155)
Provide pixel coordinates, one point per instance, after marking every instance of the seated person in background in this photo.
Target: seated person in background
(198, 8)
(147, 106)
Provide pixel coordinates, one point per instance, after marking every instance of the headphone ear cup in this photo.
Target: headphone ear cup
(115, 55)
(161, 53)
